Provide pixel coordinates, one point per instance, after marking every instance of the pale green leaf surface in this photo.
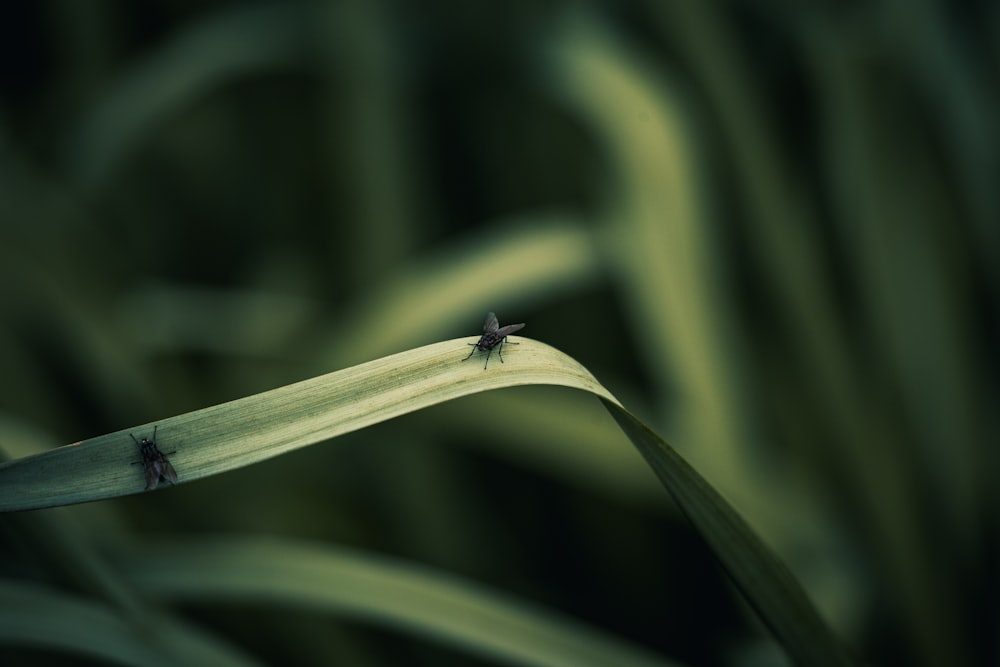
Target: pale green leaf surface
(249, 430)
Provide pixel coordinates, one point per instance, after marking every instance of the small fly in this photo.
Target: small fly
(493, 336)
(154, 462)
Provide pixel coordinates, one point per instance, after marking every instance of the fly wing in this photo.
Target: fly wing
(491, 323)
(509, 329)
(152, 475)
(167, 471)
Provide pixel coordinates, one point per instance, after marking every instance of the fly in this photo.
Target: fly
(154, 462)
(493, 336)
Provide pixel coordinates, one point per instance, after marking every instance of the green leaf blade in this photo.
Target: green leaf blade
(225, 437)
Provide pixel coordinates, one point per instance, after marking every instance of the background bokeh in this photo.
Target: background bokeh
(770, 228)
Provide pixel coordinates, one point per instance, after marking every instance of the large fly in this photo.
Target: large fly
(494, 336)
(154, 462)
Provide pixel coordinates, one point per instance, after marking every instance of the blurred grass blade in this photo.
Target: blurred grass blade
(205, 56)
(31, 615)
(249, 430)
(552, 253)
(412, 598)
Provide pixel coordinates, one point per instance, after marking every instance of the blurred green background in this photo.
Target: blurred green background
(770, 228)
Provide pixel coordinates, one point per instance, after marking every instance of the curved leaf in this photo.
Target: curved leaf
(249, 430)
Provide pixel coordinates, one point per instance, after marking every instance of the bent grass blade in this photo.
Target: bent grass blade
(225, 437)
